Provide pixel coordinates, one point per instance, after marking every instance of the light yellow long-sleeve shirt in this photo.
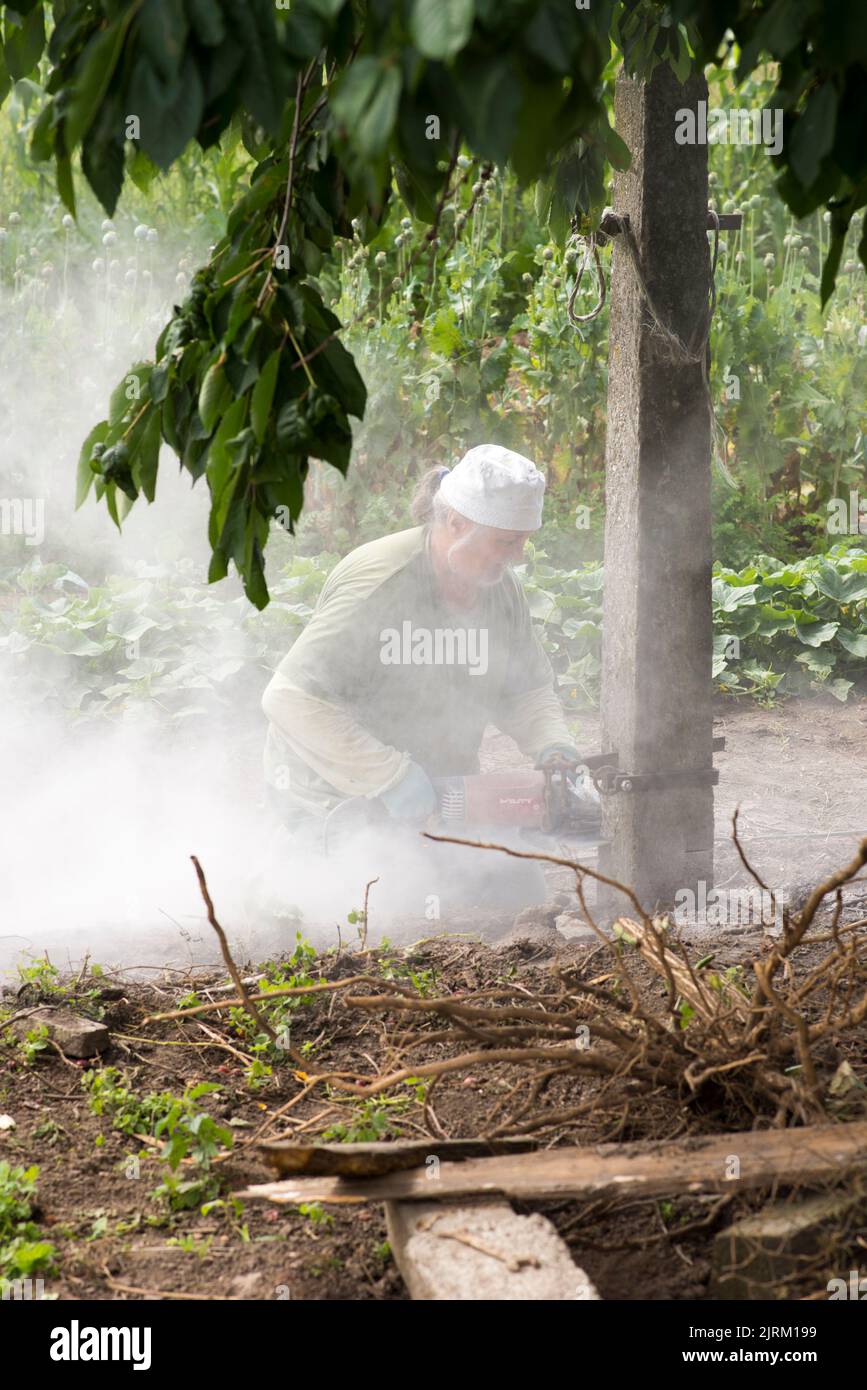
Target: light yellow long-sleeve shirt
(384, 673)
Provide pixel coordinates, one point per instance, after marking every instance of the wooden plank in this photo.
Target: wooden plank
(791, 1157)
(376, 1159)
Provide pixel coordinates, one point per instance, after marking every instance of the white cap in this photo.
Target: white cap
(494, 486)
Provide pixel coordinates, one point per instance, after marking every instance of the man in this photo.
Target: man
(418, 642)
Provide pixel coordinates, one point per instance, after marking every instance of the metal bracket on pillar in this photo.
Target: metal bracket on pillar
(609, 780)
(611, 223)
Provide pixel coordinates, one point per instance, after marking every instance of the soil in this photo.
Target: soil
(797, 768)
(800, 769)
(797, 776)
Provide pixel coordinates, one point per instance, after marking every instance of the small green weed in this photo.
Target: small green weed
(22, 1252)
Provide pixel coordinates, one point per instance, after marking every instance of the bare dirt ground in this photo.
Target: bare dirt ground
(798, 768)
(115, 1239)
(797, 775)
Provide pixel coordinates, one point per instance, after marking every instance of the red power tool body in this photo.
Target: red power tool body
(556, 801)
(494, 798)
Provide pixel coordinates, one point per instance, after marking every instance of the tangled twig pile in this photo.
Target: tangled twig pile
(729, 1052)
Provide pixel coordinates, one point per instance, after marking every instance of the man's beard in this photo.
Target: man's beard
(476, 581)
(489, 583)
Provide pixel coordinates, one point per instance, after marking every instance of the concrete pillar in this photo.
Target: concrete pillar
(657, 643)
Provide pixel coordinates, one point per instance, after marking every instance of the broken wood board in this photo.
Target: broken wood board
(794, 1157)
(692, 985)
(481, 1251)
(376, 1159)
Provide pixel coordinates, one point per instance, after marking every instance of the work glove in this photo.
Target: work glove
(584, 787)
(555, 753)
(413, 800)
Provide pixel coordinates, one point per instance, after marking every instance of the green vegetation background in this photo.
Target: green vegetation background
(470, 343)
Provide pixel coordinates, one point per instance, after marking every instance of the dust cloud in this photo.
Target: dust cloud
(100, 815)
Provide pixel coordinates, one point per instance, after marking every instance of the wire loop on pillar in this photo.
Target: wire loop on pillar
(693, 353)
(686, 354)
(591, 248)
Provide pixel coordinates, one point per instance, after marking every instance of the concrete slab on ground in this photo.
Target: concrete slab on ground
(753, 1258)
(479, 1251)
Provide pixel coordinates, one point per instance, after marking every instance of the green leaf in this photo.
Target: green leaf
(146, 457)
(445, 336)
(142, 170)
(551, 35)
(92, 77)
(854, 642)
(681, 63)
(263, 190)
(219, 457)
(418, 192)
(227, 524)
(773, 620)
(130, 625)
(5, 79)
(328, 9)
(264, 80)
(255, 587)
(219, 567)
(789, 577)
(820, 666)
(338, 373)
(832, 261)
(815, 634)
(102, 153)
(719, 665)
(293, 431)
(65, 185)
(24, 45)
(305, 34)
(843, 588)
(365, 101)
(159, 382)
(813, 134)
(779, 29)
(616, 149)
(30, 1255)
(332, 441)
(170, 112)
(263, 396)
(214, 396)
(495, 367)
(491, 99)
(129, 392)
(75, 644)
(440, 28)
(728, 598)
(85, 475)
(686, 1012)
(207, 20)
(241, 312)
(162, 32)
(840, 688)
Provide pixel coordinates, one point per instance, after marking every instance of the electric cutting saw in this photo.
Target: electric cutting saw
(560, 799)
